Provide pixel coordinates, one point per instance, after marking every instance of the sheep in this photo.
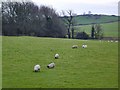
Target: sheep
(84, 46)
(116, 41)
(51, 65)
(111, 40)
(36, 68)
(56, 56)
(74, 46)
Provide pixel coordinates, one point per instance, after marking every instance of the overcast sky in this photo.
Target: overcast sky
(109, 7)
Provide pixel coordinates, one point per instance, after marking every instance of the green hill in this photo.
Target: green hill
(81, 20)
(109, 29)
(94, 19)
(109, 24)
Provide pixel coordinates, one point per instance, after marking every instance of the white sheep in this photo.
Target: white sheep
(111, 40)
(36, 68)
(75, 46)
(116, 41)
(56, 56)
(51, 65)
(84, 46)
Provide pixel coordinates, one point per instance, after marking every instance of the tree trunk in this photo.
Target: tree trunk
(72, 33)
(69, 33)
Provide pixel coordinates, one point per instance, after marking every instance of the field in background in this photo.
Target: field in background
(109, 24)
(109, 29)
(92, 67)
(98, 19)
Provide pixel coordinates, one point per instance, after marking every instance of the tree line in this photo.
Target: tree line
(96, 33)
(26, 18)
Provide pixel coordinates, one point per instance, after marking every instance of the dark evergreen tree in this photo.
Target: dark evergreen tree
(93, 32)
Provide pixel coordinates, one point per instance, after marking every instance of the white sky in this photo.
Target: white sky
(80, 6)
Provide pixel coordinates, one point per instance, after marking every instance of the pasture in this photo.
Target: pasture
(86, 19)
(109, 29)
(93, 67)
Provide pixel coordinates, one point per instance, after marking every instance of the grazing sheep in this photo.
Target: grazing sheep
(56, 56)
(108, 41)
(74, 46)
(84, 46)
(36, 68)
(116, 41)
(111, 40)
(51, 65)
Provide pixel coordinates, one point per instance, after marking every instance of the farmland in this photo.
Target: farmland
(109, 24)
(94, 19)
(92, 67)
(26, 40)
(109, 29)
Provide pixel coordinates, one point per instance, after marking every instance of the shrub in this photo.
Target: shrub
(82, 35)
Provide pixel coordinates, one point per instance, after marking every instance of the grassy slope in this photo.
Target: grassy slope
(95, 66)
(89, 20)
(109, 29)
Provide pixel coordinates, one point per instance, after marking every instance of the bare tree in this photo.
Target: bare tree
(98, 31)
(26, 18)
(68, 19)
(89, 12)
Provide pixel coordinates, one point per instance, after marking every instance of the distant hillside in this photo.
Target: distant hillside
(109, 29)
(94, 19)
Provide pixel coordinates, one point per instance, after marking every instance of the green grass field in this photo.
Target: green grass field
(109, 29)
(93, 67)
(88, 20)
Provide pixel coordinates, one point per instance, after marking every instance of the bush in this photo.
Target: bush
(82, 35)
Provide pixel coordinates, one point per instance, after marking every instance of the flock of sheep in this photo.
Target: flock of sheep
(112, 41)
(52, 65)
